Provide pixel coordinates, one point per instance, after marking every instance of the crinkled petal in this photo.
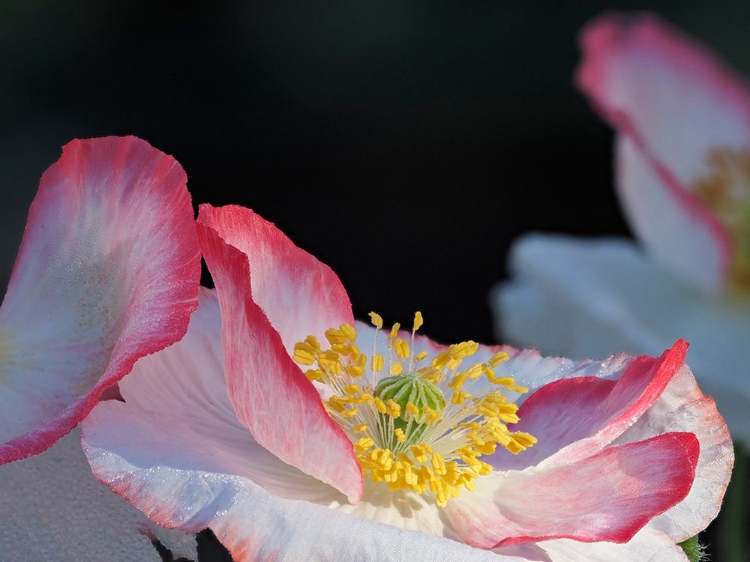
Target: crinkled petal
(586, 298)
(182, 479)
(300, 295)
(646, 546)
(682, 407)
(675, 101)
(609, 496)
(270, 394)
(108, 272)
(575, 418)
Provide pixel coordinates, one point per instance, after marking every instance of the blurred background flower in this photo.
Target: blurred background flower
(682, 122)
(423, 138)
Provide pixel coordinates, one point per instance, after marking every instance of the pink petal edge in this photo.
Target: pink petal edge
(576, 417)
(270, 394)
(606, 497)
(299, 294)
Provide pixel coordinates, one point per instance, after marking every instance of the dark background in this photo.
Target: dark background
(404, 143)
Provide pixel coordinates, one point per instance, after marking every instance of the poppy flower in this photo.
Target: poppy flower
(682, 164)
(295, 432)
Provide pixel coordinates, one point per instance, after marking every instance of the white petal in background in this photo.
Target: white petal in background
(54, 510)
(590, 298)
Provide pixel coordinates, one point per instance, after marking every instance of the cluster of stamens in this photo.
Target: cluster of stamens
(406, 434)
(725, 190)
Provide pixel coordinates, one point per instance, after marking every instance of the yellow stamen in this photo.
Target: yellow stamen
(394, 330)
(377, 362)
(418, 321)
(376, 320)
(415, 437)
(401, 348)
(725, 191)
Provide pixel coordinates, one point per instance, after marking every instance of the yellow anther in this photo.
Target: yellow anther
(350, 412)
(420, 356)
(393, 408)
(463, 349)
(438, 464)
(330, 361)
(430, 374)
(396, 368)
(335, 336)
(352, 389)
(400, 435)
(394, 330)
(507, 382)
(520, 441)
(363, 444)
(377, 362)
(498, 358)
(361, 428)
(355, 371)
(418, 321)
(314, 375)
(376, 320)
(476, 439)
(432, 415)
(460, 397)
(348, 331)
(441, 360)
(342, 348)
(475, 371)
(420, 452)
(304, 354)
(401, 348)
(384, 458)
(380, 406)
(313, 342)
(412, 409)
(458, 381)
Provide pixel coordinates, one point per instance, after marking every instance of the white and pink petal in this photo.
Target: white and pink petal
(585, 298)
(682, 407)
(607, 497)
(647, 545)
(269, 392)
(178, 397)
(180, 480)
(108, 272)
(299, 294)
(575, 418)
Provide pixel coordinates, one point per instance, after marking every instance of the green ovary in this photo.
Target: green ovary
(418, 399)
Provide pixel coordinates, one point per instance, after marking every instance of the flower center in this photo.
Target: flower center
(413, 419)
(726, 192)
